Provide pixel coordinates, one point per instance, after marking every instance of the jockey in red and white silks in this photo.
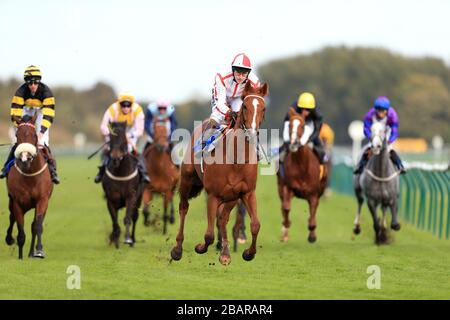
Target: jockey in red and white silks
(228, 87)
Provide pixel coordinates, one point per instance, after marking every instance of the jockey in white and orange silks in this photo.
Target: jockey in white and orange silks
(227, 91)
(125, 109)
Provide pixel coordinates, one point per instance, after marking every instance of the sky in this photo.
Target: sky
(174, 48)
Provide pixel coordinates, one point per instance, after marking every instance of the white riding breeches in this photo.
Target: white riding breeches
(234, 103)
(307, 132)
(28, 111)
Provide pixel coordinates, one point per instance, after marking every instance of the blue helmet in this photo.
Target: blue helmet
(382, 102)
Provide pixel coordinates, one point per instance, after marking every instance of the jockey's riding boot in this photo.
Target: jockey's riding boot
(397, 161)
(282, 154)
(4, 171)
(51, 164)
(142, 169)
(320, 153)
(362, 162)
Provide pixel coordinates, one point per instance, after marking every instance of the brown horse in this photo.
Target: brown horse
(121, 184)
(229, 174)
(302, 177)
(29, 186)
(164, 175)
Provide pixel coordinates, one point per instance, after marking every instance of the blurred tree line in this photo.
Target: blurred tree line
(345, 82)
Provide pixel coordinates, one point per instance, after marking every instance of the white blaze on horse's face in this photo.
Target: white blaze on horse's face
(255, 113)
(378, 135)
(295, 125)
(294, 135)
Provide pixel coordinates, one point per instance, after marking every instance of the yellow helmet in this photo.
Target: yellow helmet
(32, 72)
(306, 101)
(125, 96)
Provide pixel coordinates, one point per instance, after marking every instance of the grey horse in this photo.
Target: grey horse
(380, 184)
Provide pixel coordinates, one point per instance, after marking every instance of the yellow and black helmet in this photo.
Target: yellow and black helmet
(306, 101)
(126, 98)
(32, 72)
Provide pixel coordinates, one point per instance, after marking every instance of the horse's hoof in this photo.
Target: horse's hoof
(247, 256)
(284, 239)
(201, 248)
(39, 254)
(225, 260)
(176, 253)
(128, 241)
(312, 238)
(395, 227)
(10, 241)
(172, 220)
(357, 230)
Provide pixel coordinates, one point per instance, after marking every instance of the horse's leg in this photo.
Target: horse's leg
(146, 199)
(134, 219)
(177, 251)
(167, 199)
(115, 234)
(19, 217)
(240, 218)
(172, 211)
(33, 237)
(250, 202)
(237, 227)
(360, 198)
(128, 220)
(376, 224)
(312, 224)
(286, 198)
(383, 229)
(213, 204)
(395, 225)
(225, 257)
(38, 228)
(219, 234)
(9, 238)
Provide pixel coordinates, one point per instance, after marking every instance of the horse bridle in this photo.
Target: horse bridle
(297, 139)
(27, 124)
(243, 126)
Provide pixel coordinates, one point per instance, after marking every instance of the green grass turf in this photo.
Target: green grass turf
(414, 266)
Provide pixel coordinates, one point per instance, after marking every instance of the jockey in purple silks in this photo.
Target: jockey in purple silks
(381, 112)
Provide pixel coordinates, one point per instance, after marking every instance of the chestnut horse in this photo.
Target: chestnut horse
(121, 184)
(302, 177)
(163, 173)
(229, 174)
(29, 186)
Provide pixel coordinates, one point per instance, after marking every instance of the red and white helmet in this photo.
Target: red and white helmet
(241, 61)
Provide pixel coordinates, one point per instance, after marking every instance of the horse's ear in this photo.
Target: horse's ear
(292, 112)
(247, 88)
(264, 90)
